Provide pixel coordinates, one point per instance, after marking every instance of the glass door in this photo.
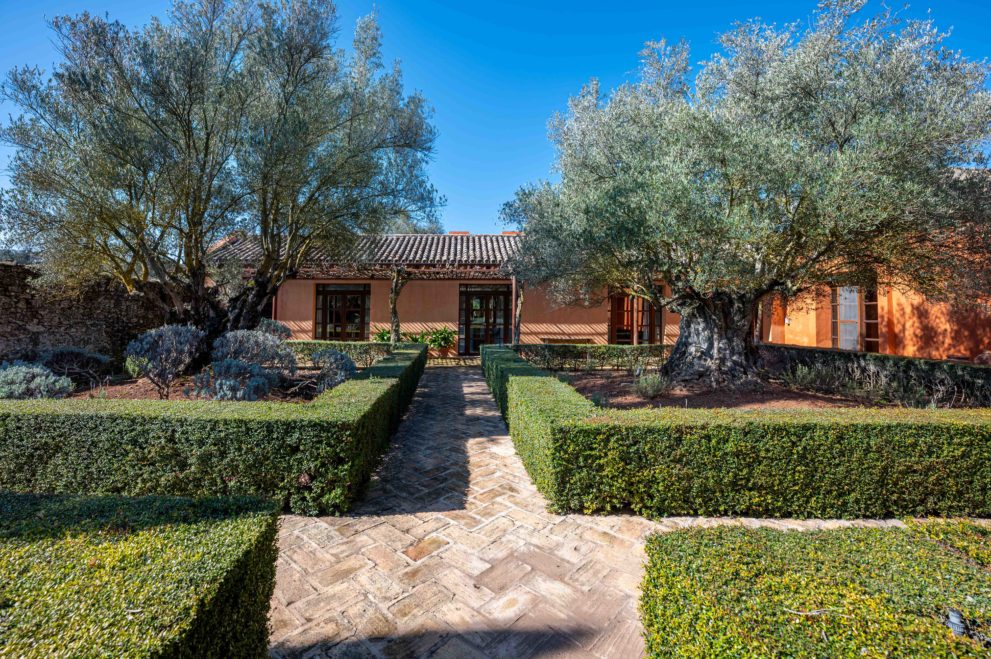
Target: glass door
(484, 317)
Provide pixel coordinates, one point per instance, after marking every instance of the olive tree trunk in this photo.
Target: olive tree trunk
(715, 345)
(395, 288)
(518, 312)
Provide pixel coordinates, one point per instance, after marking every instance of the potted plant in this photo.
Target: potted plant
(442, 340)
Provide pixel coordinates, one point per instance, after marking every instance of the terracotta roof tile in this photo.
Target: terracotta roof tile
(427, 249)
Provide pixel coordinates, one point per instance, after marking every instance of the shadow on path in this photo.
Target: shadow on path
(426, 470)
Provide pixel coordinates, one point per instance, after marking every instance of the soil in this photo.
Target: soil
(617, 389)
(300, 389)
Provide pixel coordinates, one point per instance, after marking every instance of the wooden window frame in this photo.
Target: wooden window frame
(868, 319)
(320, 310)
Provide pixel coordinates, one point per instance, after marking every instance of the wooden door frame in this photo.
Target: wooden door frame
(498, 291)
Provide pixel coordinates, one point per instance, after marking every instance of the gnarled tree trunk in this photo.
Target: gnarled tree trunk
(715, 345)
(395, 288)
(246, 309)
(518, 312)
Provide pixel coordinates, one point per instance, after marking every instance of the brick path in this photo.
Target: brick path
(452, 554)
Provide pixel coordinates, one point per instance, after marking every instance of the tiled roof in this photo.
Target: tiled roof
(423, 249)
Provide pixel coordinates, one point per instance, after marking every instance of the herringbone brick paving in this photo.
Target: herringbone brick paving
(452, 553)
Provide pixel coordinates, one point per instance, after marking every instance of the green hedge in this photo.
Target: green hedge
(844, 593)
(312, 458)
(591, 357)
(405, 364)
(121, 577)
(801, 463)
(363, 353)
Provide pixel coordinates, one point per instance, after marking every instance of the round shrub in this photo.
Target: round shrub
(279, 330)
(75, 362)
(255, 347)
(652, 385)
(231, 379)
(20, 380)
(164, 353)
(335, 367)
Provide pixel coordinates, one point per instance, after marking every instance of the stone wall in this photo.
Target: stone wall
(101, 317)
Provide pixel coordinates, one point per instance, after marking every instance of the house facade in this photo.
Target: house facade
(459, 281)
(885, 320)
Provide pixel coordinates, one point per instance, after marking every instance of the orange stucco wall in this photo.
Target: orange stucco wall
(425, 305)
(910, 325)
(542, 318)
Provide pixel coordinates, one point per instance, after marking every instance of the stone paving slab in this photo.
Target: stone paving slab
(452, 553)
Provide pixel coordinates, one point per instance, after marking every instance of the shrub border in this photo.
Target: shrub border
(313, 458)
(226, 608)
(801, 463)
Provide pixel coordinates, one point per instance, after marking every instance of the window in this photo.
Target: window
(650, 322)
(872, 325)
(855, 319)
(342, 312)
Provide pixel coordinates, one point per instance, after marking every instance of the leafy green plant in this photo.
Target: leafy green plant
(839, 593)
(382, 335)
(441, 338)
(416, 337)
(135, 577)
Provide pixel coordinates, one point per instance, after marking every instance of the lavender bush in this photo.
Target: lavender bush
(255, 347)
(164, 353)
(20, 380)
(335, 367)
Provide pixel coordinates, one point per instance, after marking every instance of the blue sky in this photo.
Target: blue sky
(495, 72)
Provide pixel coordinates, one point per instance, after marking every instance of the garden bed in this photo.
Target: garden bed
(311, 459)
(617, 389)
(114, 576)
(842, 593)
(835, 462)
(301, 388)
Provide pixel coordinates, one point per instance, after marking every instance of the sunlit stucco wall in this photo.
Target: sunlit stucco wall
(425, 305)
(910, 325)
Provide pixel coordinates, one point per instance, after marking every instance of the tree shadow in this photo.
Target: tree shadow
(505, 642)
(943, 331)
(426, 469)
(28, 517)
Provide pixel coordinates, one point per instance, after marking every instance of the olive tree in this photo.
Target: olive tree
(841, 150)
(146, 147)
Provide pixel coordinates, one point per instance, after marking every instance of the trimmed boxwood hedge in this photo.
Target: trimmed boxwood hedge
(362, 353)
(312, 458)
(593, 356)
(843, 593)
(801, 463)
(123, 577)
